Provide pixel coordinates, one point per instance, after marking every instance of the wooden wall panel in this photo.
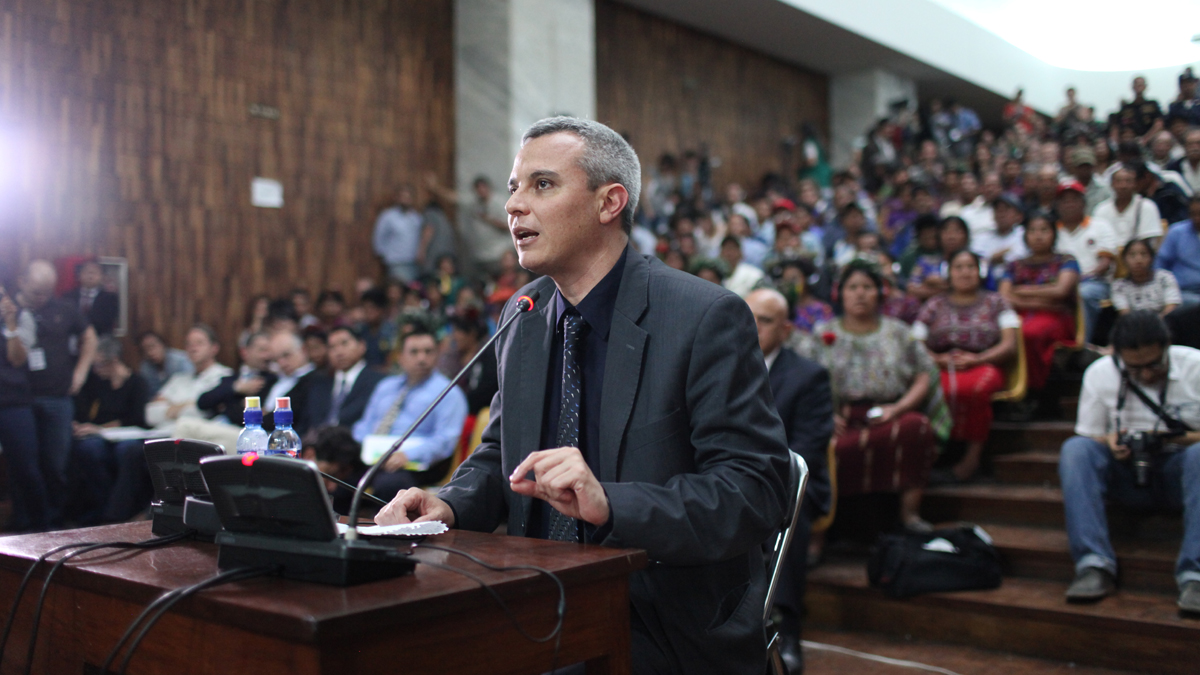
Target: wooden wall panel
(125, 131)
(670, 88)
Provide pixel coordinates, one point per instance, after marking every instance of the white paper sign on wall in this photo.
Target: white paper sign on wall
(267, 193)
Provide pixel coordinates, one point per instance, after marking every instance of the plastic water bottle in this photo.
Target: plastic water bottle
(253, 438)
(284, 440)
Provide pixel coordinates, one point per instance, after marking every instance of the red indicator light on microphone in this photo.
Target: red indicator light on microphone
(249, 458)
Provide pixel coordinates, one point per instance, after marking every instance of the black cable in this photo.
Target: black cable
(555, 634)
(344, 484)
(58, 564)
(12, 612)
(176, 595)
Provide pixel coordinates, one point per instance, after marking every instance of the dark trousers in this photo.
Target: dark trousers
(95, 466)
(793, 582)
(131, 488)
(52, 416)
(18, 436)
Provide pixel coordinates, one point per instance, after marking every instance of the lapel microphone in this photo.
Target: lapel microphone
(524, 304)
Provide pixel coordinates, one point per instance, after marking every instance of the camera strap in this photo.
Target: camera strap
(1174, 425)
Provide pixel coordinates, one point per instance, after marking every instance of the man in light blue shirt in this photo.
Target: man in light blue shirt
(1180, 254)
(399, 237)
(396, 403)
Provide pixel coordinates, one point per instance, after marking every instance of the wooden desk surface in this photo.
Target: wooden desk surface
(319, 615)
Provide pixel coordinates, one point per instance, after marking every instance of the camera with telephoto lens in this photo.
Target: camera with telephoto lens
(1143, 445)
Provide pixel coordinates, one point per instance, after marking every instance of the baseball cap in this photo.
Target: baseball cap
(783, 203)
(1070, 186)
(1082, 155)
(1011, 200)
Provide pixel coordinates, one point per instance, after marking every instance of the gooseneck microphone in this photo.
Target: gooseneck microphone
(524, 304)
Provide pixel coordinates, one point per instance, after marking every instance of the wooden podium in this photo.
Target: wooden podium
(432, 621)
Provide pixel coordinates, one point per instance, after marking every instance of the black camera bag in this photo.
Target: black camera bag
(952, 559)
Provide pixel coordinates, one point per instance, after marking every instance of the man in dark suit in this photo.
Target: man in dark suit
(634, 411)
(340, 399)
(100, 307)
(253, 378)
(804, 400)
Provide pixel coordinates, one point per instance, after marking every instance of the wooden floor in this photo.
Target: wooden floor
(1027, 619)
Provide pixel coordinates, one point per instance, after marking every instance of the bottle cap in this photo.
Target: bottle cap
(252, 402)
(283, 403)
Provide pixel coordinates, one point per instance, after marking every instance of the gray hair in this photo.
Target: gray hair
(607, 157)
(108, 349)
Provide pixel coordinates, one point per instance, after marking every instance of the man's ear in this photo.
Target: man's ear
(612, 200)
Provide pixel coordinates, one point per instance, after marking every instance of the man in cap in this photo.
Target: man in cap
(1082, 162)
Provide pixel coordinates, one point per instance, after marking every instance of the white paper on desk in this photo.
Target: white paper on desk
(428, 527)
(118, 434)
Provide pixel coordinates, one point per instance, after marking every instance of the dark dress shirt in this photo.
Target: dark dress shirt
(597, 310)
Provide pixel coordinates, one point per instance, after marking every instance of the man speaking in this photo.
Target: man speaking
(634, 411)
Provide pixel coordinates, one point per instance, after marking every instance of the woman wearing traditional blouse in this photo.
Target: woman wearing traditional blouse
(971, 334)
(928, 276)
(888, 415)
(1143, 286)
(1042, 288)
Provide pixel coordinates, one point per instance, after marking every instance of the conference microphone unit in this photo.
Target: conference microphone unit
(275, 512)
(524, 304)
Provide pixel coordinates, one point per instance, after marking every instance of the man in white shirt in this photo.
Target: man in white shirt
(1092, 243)
(1130, 215)
(1007, 242)
(177, 398)
(743, 277)
(977, 206)
(1099, 463)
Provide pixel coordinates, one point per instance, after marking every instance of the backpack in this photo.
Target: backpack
(952, 559)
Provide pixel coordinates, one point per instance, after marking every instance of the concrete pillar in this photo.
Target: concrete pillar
(856, 101)
(517, 61)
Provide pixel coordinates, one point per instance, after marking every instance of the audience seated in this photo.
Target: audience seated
(1130, 215)
(378, 330)
(1099, 462)
(792, 278)
(223, 405)
(316, 348)
(1005, 244)
(971, 334)
(1180, 254)
(1043, 289)
(888, 416)
(339, 398)
(296, 375)
(743, 277)
(924, 248)
(480, 384)
(928, 276)
(1093, 245)
(396, 404)
(160, 362)
(112, 396)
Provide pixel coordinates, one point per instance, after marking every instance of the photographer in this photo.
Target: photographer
(1138, 415)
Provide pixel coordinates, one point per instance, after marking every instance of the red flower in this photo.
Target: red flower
(828, 337)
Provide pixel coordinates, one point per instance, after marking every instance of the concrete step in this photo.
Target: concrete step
(1132, 630)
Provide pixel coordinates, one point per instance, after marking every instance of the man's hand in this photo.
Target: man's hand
(8, 311)
(415, 505)
(1120, 452)
(563, 480)
(395, 462)
(83, 430)
(889, 414)
(249, 386)
(176, 410)
(77, 380)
